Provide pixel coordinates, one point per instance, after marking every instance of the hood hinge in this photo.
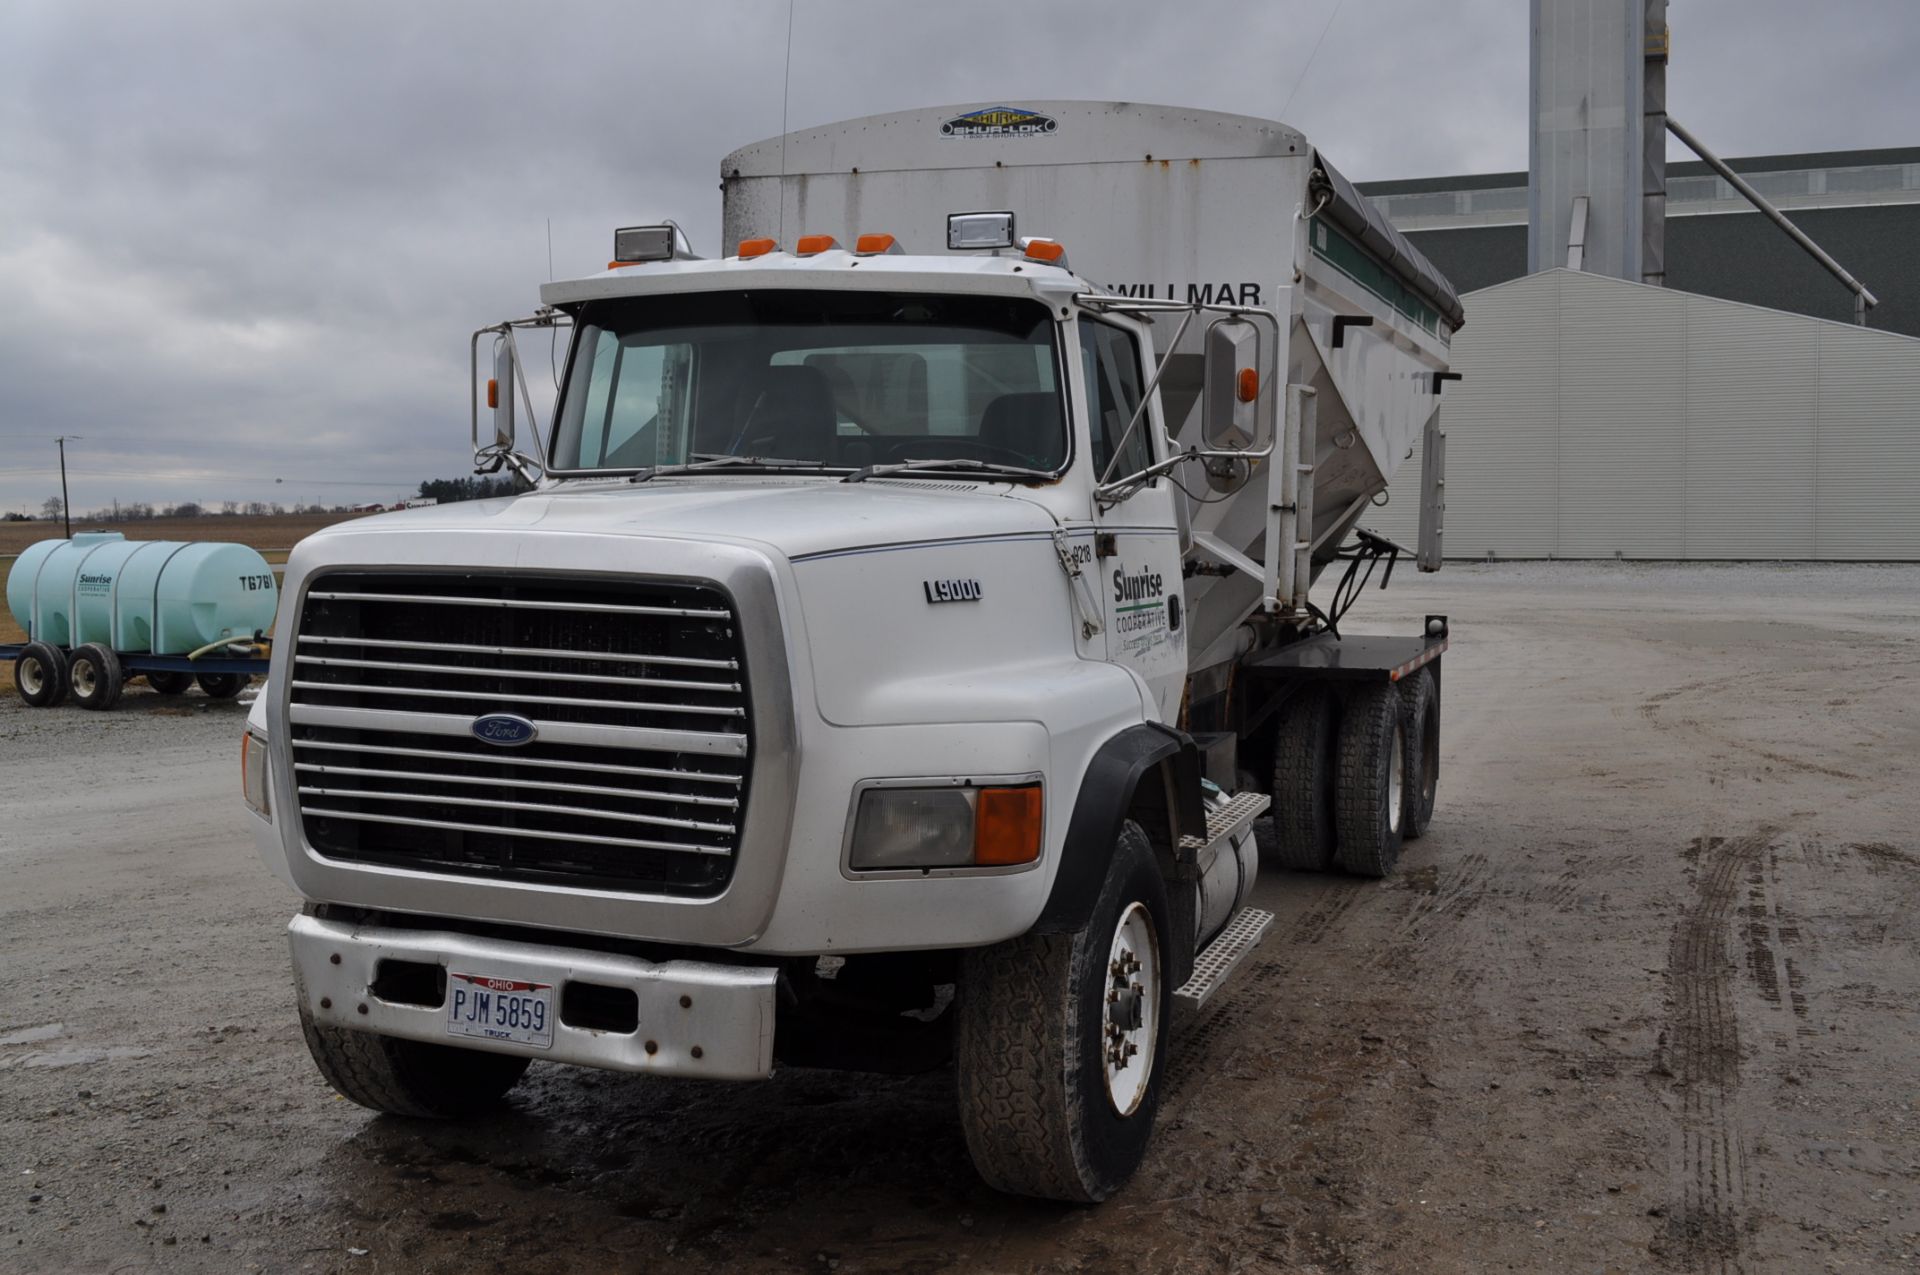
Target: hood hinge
(1083, 600)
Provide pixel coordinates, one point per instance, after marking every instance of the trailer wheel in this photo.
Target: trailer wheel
(409, 1077)
(1304, 751)
(169, 683)
(1421, 701)
(1369, 779)
(40, 675)
(95, 675)
(222, 685)
(1061, 1041)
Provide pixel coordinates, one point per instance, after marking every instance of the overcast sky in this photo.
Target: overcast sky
(243, 242)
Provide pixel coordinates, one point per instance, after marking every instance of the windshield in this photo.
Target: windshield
(842, 380)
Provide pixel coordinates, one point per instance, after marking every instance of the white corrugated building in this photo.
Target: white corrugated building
(1599, 417)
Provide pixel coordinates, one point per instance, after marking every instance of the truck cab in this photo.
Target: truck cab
(830, 698)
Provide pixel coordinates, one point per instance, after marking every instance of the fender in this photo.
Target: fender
(1106, 795)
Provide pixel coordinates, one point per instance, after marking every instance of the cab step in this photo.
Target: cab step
(1227, 819)
(1214, 966)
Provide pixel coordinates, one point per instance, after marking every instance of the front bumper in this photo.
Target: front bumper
(696, 1019)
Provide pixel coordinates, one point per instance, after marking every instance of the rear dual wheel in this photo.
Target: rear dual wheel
(170, 683)
(1420, 699)
(96, 676)
(1370, 777)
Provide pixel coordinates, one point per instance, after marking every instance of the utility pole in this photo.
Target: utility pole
(66, 507)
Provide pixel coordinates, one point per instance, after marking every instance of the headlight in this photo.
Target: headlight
(924, 828)
(253, 775)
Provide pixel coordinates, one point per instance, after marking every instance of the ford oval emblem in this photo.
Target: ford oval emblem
(504, 730)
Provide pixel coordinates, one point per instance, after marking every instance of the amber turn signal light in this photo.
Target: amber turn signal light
(1006, 826)
(1249, 387)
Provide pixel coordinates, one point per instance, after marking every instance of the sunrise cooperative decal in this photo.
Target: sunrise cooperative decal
(1139, 610)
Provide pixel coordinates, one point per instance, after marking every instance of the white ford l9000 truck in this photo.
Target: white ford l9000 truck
(907, 624)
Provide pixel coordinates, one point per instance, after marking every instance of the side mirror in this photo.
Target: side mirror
(500, 395)
(1230, 394)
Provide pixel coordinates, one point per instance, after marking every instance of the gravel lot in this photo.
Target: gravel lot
(1645, 999)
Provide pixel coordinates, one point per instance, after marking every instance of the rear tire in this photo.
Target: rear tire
(1040, 1018)
(222, 685)
(168, 683)
(95, 676)
(1421, 701)
(40, 675)
(409, 1077)
(1305, 747)
(1368, 798)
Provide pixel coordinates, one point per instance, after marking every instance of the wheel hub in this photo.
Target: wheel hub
(33, 678)
(1130, 1027)
(1396, 779)
(83, 679)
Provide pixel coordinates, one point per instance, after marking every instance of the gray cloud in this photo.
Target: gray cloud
(248, 241)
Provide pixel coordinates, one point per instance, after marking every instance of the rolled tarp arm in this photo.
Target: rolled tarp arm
(1863, 300)
(1361, 221)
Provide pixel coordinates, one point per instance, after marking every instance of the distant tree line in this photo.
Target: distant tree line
(449, 490)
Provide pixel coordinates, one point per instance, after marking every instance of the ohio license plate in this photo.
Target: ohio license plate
(500, 1009)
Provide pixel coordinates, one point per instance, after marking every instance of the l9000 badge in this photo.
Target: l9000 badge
(951, 590)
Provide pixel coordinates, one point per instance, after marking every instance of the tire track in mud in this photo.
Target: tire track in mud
(1701, 1056)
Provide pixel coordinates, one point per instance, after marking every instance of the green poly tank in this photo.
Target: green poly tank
(164, 597)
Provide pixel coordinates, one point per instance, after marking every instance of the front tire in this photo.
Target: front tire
(95, 676)
(1061, 1041)
(1370, 779)
(40, 675)
(409, 1077)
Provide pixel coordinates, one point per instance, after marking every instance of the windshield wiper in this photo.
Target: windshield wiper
(713, 460)
(959, 463)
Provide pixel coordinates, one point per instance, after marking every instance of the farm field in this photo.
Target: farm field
(280, 531)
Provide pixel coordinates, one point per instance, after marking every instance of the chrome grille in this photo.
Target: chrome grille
(637, 779)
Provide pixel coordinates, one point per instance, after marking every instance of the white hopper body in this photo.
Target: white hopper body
(1172, 204)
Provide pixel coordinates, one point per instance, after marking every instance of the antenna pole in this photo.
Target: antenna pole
(786, 85)
(66, 507)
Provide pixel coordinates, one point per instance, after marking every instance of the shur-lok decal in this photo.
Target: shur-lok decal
(999, 121)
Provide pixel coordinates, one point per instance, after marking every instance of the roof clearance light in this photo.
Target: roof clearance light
(876, 245)
(1050, 251)
(809, 245)
(757, 248)
(967, 231)
(634, 244)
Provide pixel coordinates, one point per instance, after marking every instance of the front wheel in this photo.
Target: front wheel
(40, 675)
(1061, 1041)
(409, 1077)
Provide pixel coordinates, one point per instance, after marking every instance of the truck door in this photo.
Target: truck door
(1136, 542)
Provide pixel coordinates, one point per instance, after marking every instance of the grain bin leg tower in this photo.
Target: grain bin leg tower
(1596, 188)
